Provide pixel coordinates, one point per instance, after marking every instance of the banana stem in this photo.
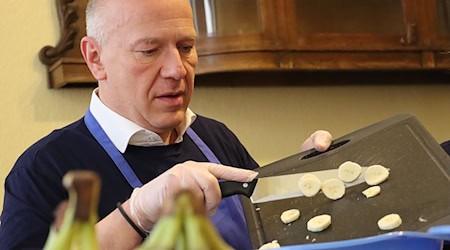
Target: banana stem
(86, 185)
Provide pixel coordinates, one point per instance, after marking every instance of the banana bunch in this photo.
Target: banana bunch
(77, 229)
(185, 227)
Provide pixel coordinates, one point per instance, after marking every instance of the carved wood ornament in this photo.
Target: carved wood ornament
(67, 15)
(65, 63)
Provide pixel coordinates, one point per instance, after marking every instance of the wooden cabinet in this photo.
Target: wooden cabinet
(438, 25)
(351, 25)
(329, 35)
(236, 34)
(279, 35)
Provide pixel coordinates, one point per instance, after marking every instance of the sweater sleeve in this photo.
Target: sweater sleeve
(32, 192)
(446, 146)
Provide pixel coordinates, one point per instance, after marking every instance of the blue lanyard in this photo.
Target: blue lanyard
(100, 135)
(202, 146)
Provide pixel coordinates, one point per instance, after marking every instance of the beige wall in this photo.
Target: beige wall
(270, 121)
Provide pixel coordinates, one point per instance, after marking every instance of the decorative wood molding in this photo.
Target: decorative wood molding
(67, 15)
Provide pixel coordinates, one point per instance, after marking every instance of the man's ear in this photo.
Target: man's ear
(91, 53)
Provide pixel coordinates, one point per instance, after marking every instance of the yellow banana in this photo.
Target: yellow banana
(187, 227)
(163, 235)
(77, 229)
(181, 242)
(195, 239)
(210, 234)
(62, 238)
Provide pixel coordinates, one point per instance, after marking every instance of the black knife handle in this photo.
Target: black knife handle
(229, 188)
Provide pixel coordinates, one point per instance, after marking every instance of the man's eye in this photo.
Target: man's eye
(148, 52)
(186, 49)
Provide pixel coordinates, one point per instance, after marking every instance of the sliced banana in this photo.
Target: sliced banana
(349, 171)
(372, 191)
(319, 223)
(309, 185)
(290, 215)
(376, 174)
(389, 222)
(333, 188)
(270, 245)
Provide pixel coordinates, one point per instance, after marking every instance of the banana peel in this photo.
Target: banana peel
(185, 226)
(77, 228)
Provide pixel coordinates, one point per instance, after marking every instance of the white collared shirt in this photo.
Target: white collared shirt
(123, 132)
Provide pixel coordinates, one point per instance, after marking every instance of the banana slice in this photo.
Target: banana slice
(333, 188)
(309, 185)
(389, 222)
(319, 223)
(349, 171)
(290, 215)
(270, 245)
(372, 191)
(376, 174)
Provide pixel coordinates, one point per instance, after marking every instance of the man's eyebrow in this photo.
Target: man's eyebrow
(146, 40)
(189, 38)
(149, 40)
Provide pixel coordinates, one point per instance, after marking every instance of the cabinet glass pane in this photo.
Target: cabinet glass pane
(350, 16)
(226, 17)
(443, 16)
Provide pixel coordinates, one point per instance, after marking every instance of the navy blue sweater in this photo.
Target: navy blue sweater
(446, 146)
(33, 188)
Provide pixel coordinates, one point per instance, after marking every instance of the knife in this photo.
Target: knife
(279, 187)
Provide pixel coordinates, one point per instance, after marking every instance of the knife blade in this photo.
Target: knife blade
(279, 187)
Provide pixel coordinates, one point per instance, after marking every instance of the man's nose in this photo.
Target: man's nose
(173, 66)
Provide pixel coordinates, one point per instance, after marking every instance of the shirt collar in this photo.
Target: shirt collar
(122, 131)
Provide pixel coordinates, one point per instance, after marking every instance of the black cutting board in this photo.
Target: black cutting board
(418, 187)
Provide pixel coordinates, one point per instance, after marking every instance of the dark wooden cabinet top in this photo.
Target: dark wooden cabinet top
(287, 35)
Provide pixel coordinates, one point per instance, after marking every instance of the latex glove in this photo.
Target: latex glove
(319, 140)
(201, 178)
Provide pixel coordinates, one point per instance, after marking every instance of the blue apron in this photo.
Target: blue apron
(229, 218)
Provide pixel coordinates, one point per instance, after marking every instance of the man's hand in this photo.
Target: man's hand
(201, 178)
(319, 140)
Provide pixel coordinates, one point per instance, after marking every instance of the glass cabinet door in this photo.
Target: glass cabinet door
(349, 16)
(226, 17)
(351, 24)
(443, 16)
(439, 33)
(442, 39)
(233, 25)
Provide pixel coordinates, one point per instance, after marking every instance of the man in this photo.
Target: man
(446, 146)
(136, 134)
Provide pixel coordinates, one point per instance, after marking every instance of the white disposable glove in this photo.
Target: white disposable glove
(319, 140)
(201, 178)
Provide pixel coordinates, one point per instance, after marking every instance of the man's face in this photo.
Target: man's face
(149, 59)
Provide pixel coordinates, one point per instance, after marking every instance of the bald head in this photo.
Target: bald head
(103, 16)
